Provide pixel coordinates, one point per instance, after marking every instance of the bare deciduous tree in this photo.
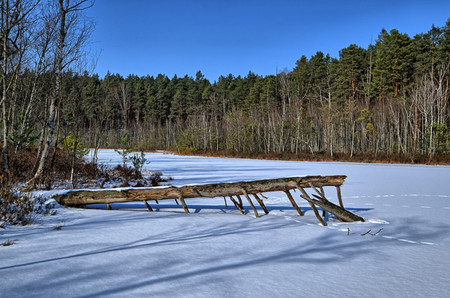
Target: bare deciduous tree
(74, 31)
(14, 16)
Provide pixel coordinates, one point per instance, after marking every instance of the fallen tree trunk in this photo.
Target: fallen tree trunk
(326, 205)
(107, 196)
(104, 196)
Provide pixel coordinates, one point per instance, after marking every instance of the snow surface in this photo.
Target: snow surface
(217, 252)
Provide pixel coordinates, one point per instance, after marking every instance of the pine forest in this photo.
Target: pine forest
(389, 98)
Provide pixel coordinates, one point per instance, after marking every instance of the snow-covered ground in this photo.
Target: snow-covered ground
(217, 252)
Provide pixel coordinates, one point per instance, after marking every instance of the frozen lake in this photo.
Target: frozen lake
(217, 252)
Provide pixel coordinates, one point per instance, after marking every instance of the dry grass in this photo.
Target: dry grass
(439, 159)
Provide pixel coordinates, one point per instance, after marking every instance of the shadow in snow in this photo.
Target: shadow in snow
(178, 235)
(200, 207)
(329, 246)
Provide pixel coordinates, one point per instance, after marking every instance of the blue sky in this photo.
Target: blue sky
(220, 37)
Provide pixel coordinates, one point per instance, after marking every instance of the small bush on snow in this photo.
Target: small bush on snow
(138, 161)
(16, 208)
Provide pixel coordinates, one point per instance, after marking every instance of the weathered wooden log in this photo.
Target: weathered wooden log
(261, 203)
(148, 206)
(338, 190)
(250, 202)
(238, 207)
(294, 204)
(321, 196)
(264, 197)
(106, 196)
(240, 201)
(183, 203)
(316, 213)
(84, 197)
(324, 213)
(326, 205)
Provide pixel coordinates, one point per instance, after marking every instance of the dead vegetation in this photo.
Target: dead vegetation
(17, 207)
(368, 157)
(8, 242)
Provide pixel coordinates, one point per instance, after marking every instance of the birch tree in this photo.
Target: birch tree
(14, 17)
(74, 31)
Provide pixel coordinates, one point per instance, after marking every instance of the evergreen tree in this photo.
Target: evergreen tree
(393, 63)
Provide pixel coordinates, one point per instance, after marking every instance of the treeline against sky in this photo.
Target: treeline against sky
(392, 97)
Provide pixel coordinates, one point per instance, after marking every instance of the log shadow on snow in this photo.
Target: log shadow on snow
(179, 234)
(327, 247)
(176, 236)
(324, 249)
(197, 208)
(212, 209)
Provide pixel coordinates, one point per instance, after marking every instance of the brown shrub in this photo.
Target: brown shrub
(16, 208)
(125, 173)
(22, 164)
(368, 157)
